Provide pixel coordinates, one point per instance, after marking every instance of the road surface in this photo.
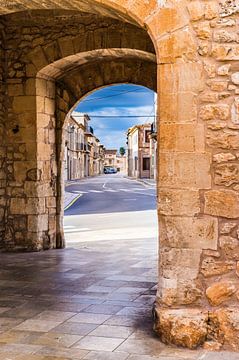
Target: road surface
(111, 207)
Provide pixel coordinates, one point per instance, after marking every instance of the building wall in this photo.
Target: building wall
(74, 150)
(139, 151)
(110, 158)
(121, 164)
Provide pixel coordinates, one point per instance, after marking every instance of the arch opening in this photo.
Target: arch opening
(107, 125)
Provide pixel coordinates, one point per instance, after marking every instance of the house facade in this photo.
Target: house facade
(84, 155)
(139, 151)
(110, 158)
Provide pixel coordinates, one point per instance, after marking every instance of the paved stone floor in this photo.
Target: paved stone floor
(91, 302)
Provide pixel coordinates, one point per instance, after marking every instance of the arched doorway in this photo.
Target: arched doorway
(192, 195)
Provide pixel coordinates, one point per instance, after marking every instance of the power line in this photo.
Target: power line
(122, 116)
(109, 96)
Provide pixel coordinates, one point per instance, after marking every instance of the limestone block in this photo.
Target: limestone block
(227, 140)
(235, 111)
(227, 174)
(50, 89)
(17, 206)
(15, 89)
(182, 137)
(225, 326)
(223, 157)
(223, 36)
(181, 327)
(30, 188)
(178, 202)
(178, 292)
(21, 169)
(43, 120)
(167, 19)
(188, 232)
(211, 10)
(180, 264)
(49, 106)
(38, 58)
(211, 267)
(203, 30)
(224, 70)
(218, 85)
(40, 104)
(22, 104)
(209, 97)
(2, 213)
(225, 52)
(209, 68)
(66, 46)
(181, 78)
(235, 78)
(178, 108)
(51, 202)
(176, 45)
(220, 292)
(212, 112)
(45, 190)
(230, 247)
(52, 52)
(196, 10)
(35, 206)
(227, 227)
(37, 223)
(44, 151)
(224, 203)
(185, 170)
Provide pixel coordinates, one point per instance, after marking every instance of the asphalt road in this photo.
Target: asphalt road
(111, 207)
(110, 193)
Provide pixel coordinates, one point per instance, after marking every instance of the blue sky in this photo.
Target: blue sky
(117, 100)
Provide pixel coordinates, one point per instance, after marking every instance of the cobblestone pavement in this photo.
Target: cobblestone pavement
(91, 302)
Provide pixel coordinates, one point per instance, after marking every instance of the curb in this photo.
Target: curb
(142, 181)
(72, 202)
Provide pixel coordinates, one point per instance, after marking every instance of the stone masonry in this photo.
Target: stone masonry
(53, 54)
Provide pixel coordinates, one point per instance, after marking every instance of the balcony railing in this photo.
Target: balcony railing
(89, 131)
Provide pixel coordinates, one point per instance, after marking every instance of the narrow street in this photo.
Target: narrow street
(111, 207)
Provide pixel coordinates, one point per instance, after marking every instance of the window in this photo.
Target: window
(110, 161)
(136, 163)
(147, 136)
(146, 164)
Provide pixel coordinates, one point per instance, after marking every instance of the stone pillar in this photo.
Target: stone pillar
(198, 183)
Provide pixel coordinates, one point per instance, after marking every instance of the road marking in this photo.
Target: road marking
(72, 202)
(129, 199)
(68, 231)
(104, 185)
(111, 190)
(69, 227)
(79, 192)
(96, 191)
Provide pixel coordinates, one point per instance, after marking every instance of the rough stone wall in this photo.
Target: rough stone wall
(199, 181)
(3, 157)
(36, 112)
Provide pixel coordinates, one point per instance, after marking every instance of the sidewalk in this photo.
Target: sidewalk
(150, 182)
(70, 198)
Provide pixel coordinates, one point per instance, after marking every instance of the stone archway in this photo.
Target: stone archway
(197, 55)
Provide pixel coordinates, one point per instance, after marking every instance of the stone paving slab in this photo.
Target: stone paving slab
(84, 303)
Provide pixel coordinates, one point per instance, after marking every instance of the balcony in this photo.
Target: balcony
(89, 132)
